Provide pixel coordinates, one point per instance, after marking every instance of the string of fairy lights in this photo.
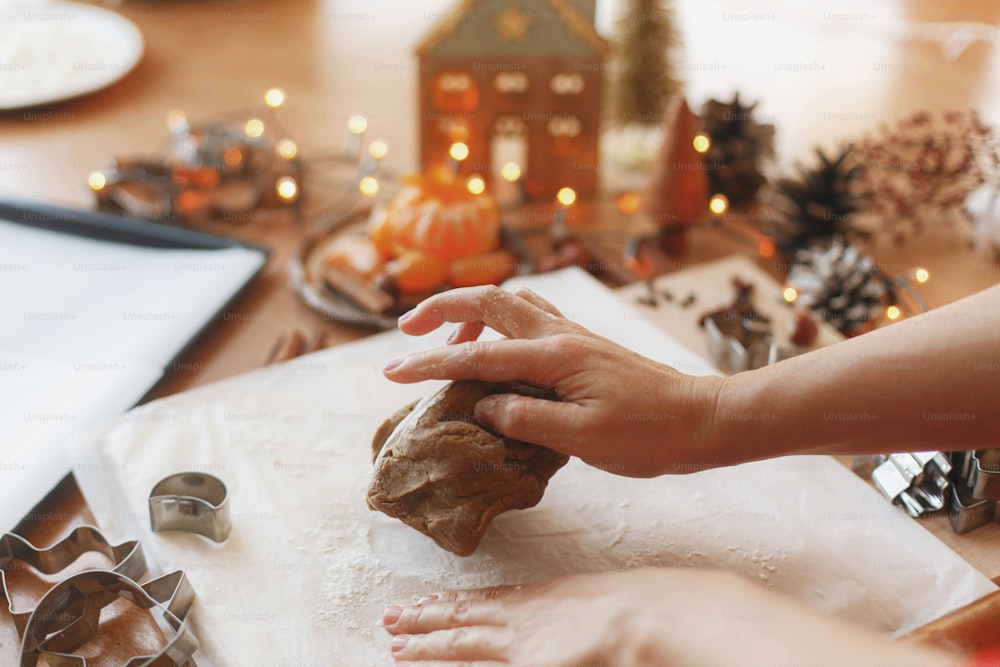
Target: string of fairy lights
(252, 148)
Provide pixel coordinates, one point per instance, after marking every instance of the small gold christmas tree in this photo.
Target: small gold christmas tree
(645, 78)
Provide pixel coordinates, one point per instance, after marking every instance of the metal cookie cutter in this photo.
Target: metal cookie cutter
(128, 559)
(981, 470)
(917, 481)
(738, 345)
(966, 513)
(191, 501)
(69, 616)
(974, 492)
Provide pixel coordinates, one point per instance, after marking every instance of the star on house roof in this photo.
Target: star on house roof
(514, 28)
(512, 24)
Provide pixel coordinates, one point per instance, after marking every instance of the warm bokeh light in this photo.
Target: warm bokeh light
(378, 149)
(701, 143)
(790, 294)
(233, 157)
(368, 186)
(274, 98)
(566, 196)
(476, 185)
(357, 124)
(176, 120)
(254, 128)
(765, 248)
(287, 149)
(458, 151)
(893, 312)
(97, 181)
(287, 188)
(922, 275)
(718, 204)
(511, 171)
(629, 202)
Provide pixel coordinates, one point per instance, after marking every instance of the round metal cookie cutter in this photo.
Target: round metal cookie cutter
(194, 502)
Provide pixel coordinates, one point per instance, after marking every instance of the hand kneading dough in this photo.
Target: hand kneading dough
(440, 471)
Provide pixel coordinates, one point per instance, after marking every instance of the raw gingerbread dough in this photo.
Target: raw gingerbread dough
(442, 472)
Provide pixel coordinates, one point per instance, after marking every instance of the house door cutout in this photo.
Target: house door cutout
(508, 144)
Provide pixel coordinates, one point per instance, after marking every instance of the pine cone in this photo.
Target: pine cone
(842, 285)
(818, 206)
(738, 146)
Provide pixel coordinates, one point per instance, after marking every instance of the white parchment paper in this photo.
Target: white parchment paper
(308, 569)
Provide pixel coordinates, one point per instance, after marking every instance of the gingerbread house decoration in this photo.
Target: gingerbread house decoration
(519, 82)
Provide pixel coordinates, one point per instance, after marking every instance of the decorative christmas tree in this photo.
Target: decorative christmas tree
(737, 149)
(677, 191)
(645, 75)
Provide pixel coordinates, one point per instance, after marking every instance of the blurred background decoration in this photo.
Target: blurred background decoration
(240, 164)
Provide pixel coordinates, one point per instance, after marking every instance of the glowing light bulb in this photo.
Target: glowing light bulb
(629, 202)
(287, 149)
(718, 204)
(922, 275)
(287, 188)
(790, 294)
(701, 143)
(475, 185)
(254, 128)
(176, 120)
(233, 157)
(511, 171)
(97, 181)
(566, 196)
(368, 186)
(274, 98)
(765, 248)
(893, 312)
(357, 124)
(378, 149)
(458, 151)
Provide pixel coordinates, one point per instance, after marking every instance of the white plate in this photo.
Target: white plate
(51, 52)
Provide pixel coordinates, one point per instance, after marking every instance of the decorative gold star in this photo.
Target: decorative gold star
(512, 24)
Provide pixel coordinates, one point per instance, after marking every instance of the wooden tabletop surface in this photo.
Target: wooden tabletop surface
(336, 58)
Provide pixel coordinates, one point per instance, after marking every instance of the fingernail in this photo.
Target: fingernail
(392, 365)
(485, 410)
(452, 336)
(427, 599)
(391, 615)
(405, 316)
(399, 643)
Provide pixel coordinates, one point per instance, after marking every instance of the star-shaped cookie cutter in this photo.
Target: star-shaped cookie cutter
(191, 501)
(69, 616)
(128, 559)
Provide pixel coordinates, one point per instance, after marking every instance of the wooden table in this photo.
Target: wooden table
(337, 58)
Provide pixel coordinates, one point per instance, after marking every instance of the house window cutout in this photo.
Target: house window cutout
(454, 129)
(567, 83)
(509, 126)
(510, 83)
(455, 91)
(564, 126)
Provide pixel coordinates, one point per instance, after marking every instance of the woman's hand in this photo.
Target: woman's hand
(656, 616)
(619, 411)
